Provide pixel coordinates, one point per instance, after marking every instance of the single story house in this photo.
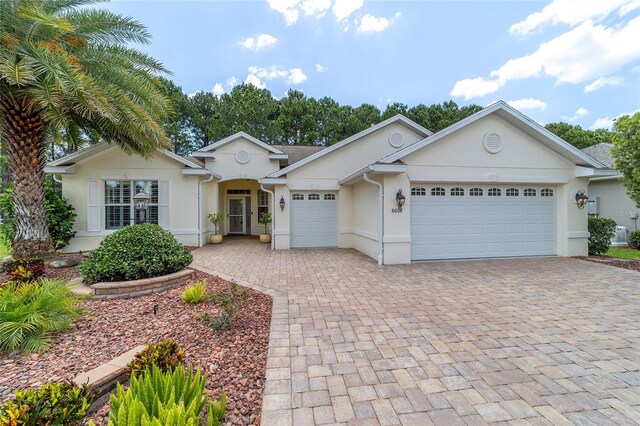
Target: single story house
(495, 184)
(607, 194)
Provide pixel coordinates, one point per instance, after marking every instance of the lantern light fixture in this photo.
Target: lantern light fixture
(581, 199)
(400, 199)
(282, 204)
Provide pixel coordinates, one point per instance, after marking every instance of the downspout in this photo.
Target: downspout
(209, 179)
(380, 216)
(273, 214)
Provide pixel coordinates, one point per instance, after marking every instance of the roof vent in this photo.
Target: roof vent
(242, 157)
(396, 140)
(493, 142)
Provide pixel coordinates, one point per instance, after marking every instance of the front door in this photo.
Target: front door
(236, 216)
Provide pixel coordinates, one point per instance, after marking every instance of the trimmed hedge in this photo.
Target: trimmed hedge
(601, 231)
(133, 253)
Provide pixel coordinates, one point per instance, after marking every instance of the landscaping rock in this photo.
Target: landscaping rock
(63, 262)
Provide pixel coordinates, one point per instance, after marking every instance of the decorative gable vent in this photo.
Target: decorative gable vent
(243, 157)
(493, 142)
(396, 140)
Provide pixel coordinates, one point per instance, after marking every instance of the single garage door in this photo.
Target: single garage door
(314, 219)
(462, 221)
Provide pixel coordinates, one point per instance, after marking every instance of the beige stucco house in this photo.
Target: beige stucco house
(495, 184)
(607, 194)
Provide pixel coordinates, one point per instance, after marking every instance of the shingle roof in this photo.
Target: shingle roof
(601, 152)
(298, 152)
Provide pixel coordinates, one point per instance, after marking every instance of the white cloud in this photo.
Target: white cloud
(231, 82)
(320, 68)
(607, 122)
(262, 42)
(528, 103)
(602, 82)
(315, 8)
(293, 76)
(474, 87)
(373, 24)
(255, 80)
(288, 9)
(568, 12)
(342, 9)
(218, 90)
(568, 58)
(580, 112)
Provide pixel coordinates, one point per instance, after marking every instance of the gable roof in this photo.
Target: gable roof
(235, 137)
(395, 119)
(83, 154)
(601, 152)
(514, 117)
(298, 152)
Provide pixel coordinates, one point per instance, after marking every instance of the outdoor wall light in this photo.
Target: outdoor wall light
(282, 204)
(581, 199)
(400, 199)
(141, 202)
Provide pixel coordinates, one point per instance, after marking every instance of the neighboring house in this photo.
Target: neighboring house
(607, 194)
(495, 184)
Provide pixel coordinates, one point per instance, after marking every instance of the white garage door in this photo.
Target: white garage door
(462, 221)
(314, 219)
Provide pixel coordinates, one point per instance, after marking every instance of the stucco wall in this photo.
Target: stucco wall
(226, 165)
(113, 163)
(364, 220)
(614, 202)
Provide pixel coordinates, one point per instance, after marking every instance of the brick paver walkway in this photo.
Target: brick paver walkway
(527, 341)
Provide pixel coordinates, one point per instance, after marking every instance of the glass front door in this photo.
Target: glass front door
(236, 216)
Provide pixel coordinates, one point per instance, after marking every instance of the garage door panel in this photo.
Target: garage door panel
(314, 223)
(449, 227)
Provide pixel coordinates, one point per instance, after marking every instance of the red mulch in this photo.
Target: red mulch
(66, 273)
(633, 265)
(235, 360)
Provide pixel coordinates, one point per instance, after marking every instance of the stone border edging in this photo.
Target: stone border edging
(278, 355)
(103, 379)
(136, 288)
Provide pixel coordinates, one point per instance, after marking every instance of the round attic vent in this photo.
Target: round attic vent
(493, 142)
(242, 157)
(396, 140)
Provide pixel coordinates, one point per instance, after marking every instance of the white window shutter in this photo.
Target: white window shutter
(93, 205)
(163, 204)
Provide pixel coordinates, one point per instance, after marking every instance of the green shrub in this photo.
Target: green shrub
(135, 252)
(601, 231)
(195, 293)
(5, 243)
(24, 269)
(165, 355)
(634, 240)
(31, 312)
(56, 403)
(59, 213)
(162, 398)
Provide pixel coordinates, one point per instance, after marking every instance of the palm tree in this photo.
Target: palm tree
(65, 65)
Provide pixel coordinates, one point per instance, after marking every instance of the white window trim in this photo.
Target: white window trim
(104, 204)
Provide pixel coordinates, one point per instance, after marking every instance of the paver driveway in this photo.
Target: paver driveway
(539, 341)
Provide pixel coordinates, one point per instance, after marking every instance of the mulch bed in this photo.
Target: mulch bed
(235, 360)
(631, 264)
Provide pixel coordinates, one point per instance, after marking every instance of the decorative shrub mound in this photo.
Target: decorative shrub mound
(133, 253)
(601, 230)
(31, 312)
(634, 240)
(56, 403)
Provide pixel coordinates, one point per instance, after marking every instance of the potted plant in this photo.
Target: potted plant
(265, 219)
(216, 219)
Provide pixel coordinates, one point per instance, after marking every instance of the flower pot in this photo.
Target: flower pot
(215, 238)
(265, 238)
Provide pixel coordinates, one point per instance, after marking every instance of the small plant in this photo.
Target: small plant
(265, 219)
(135, 252)
(24, 269)
(174, 398)
(601, 231)
(165, 355)
(5, 243)
(195, 293)
(31, 312)
(56, 403)
(634, 240)
(229, 299)
(216, 219)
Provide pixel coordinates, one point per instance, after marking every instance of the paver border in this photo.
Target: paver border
(278, 355)
(137, 288)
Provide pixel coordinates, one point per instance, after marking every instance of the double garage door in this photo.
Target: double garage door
(475, 221)
(314, 219)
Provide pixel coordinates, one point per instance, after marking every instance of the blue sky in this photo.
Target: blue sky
(560, 60)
